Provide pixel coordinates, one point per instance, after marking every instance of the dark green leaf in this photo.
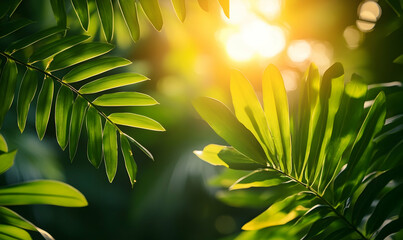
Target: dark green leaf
(7, 28)
(94, 133)
(153, 12)
(64, 102)
(110, 145)
(81, 9)
(129, 12)
(224, 123)
(8, 82)
(105, 11)
(125, 99)
(77, 118)
(13, 6)
(59, 10)
(110, 82)
(44, 106)
(388, 229)
(127, 153)
(42, 192)
(31, 39)
(399, 59)
(94, 67)
(26, 95)
(135, 120)
(56, 47)
(236, 160)
(78, 54)
(318, 226)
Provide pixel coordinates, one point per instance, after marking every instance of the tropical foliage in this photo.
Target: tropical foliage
(14, 226)
(328, 167)
(80, 98)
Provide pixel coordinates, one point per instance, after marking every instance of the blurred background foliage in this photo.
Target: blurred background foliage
(172, 198)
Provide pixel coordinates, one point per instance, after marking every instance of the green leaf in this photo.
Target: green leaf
(237, 160)
(78, 54)
(81, 9)
(94, 133)
(13, 6)
(131, 167)
(388, 229)
(44, 106)
(250, 113)
(105, 11)
(135, 120)
(180, 9)
(399, 59)
(224, 123)
(277, 114)
(275, 215)
(125, 99)
(3, 144)
(225, 6)
(7, 28)
(210, 155)
(8, 82)
(7, 160)
(56, 47)
(42, 192)
(77, 118)
(31, 39)
(110, 82)
(59, 10)
(384, 208)
(94, 67)
(26, 95)
(110, 145)
(153, 12)
(318, 226)
(8, 232)
(142, 148)
(129, 12)
(10, 217)
(64, 102)
(260, 178)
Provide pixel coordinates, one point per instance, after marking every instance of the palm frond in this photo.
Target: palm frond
(71, 66)
(327, 156)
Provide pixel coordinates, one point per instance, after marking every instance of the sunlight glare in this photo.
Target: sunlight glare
(270, 8)
(299, 51)
(238, 49)
(290, 79)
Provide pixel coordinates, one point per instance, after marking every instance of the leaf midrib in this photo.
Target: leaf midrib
(310, 189)
(63, 83)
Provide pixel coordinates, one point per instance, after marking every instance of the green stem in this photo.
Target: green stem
(62, 83)
(341, 216)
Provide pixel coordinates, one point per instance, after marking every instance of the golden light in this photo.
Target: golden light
(352, 36)
(290, 79)
(368, 13)
(299, 51)
(247, 36)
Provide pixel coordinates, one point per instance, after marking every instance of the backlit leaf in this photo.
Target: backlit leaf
(210, 155)
(59, 10)
(110, 82)
(7, 160)
(94, 133)
(105, 11)
(128, 9)
(81, 9)
(127, 153)
(8, 232)
(26, 95)
(8, 82)
(125, 99)
(260, 178)
(77, 118)
(110, 146)
(180, 9)
(44, 106)
(135, 120)
(153, 12)
(63, 106)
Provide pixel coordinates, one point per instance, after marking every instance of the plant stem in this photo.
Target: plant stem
(62, 83)
(349, 224)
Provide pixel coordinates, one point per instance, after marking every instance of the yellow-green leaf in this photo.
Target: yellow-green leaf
(131, 167)
(125, 99)
(153, 12)
(93, 68)
(128, 9)
(42, 192)
(59, 10)
(7, 160)
(135, 120)
(210, 155)
(105, 11)
(8, 232)
(180, 9)
(260, 178)
(81, 9)
(77, 54)
(110, 82)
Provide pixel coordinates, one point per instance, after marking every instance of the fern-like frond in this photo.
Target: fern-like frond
(335, 162)
(66, 73)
